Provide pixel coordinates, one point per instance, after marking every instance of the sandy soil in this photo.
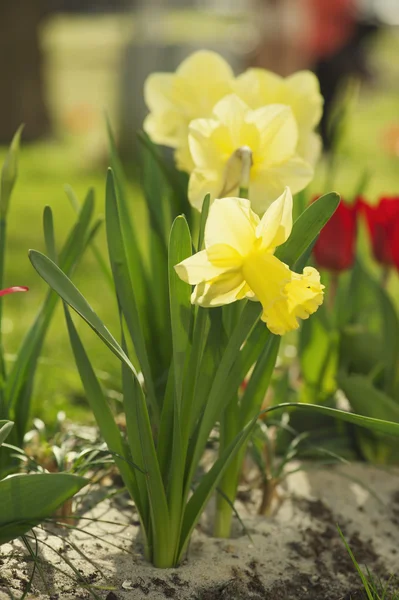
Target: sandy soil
(296, 554)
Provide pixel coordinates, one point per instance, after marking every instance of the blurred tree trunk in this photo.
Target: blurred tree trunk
(22, 88)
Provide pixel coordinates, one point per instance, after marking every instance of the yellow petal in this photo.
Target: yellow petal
(258, 87)
(310, 147)
(209, 143)
(231, 111)
(231, 221)
(205, 66)
(276, 224)
(183, 159)
(158, 90)
(224, 256)
(270, 182)
(278, 132)
(198, 268)
(295, 172)
(306, 100)
(224, 289)
(304, 294)
(266, 276)
(202, 182)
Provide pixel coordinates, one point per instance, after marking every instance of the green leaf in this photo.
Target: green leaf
(28, 499)
(96, 252)
(307, 227)
(133, 254)
(9, 173)
(48, 228)
(124, 285)
(379, 425)
(180, 305)
(21, 377)
(260, 379)
(5, 428)
(179, 192)
(203, 219)
(217, 400)
(140, 431)
(64, 287)
(203, 492)
(101, 410)
(366, 400)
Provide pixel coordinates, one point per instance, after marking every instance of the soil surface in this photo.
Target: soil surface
(296, 554)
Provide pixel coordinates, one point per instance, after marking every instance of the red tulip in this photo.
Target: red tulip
(335, 246)
(11, 290)
(383, 226)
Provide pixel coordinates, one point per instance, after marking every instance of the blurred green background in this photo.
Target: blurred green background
(82, 75)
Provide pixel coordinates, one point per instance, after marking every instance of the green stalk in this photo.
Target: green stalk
(229, 428)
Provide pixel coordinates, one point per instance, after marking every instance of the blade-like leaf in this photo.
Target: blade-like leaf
(366, 400)
(124, 285)
(101, 410)
(48, 228)
(28, 499)
(203, 492)
(9, 173)
(180, 305)
(64, 287)
(5, 428)
(380, 425)
(307, 227)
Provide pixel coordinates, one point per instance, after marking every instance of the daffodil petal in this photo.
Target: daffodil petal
(224, 289)
(276, 224)
(203, 63)
(198, 268)
(158, 91)
(209, 143)
(202, 182)
(296, 173)
(231, 221)
(163, 128)
(231, 111)
(310, 147)
(259, 87)
(306, 100)
(183, 159)
(304, 294)
(278, 132)
(224, 256)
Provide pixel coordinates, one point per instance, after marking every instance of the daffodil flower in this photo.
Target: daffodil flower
(300, 91)
(270, 133)
(175, 99)
(238, 262)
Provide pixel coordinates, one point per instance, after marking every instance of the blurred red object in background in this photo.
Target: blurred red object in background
(335, 246)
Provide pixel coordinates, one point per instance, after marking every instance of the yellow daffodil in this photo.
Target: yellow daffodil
(175, 99)
(301, 91)
(238, 262)
(270, 134)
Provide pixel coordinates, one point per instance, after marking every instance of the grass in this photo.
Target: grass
(374, 589)
(46, 167)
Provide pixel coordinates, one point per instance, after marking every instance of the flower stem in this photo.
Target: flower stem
(245, 154)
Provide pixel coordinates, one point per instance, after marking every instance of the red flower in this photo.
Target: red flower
(383, 226)
(335, 246)
(11, 290)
